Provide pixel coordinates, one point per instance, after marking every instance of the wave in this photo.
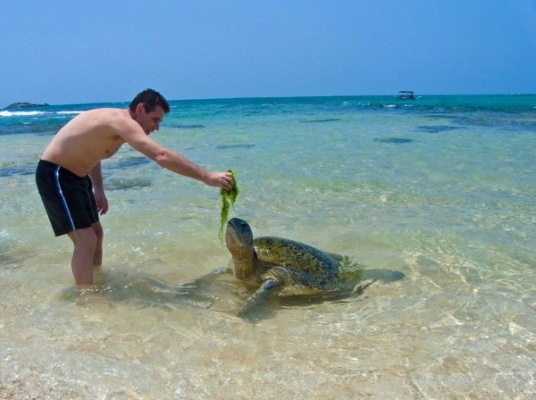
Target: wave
(5, 113)
(45, 114)
(69, 112)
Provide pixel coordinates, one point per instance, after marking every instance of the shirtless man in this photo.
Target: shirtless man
(69, 176)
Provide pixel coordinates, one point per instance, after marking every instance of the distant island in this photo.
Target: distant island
(23, 104)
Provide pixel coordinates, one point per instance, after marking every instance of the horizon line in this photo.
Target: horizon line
(45, 104)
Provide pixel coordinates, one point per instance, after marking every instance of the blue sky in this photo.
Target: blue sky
(74, 51)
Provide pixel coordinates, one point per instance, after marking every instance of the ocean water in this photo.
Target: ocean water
(439, 191)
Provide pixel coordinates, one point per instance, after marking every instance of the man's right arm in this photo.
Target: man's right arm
(172, 160)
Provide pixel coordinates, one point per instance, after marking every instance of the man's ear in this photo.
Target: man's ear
(140, 108)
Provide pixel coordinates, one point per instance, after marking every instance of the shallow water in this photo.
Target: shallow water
(440, 190)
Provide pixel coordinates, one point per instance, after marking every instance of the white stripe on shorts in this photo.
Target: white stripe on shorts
(57, 175)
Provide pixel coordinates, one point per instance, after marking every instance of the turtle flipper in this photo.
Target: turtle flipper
(337, 257)
(205, 279)
(203, 291)
(252, 311)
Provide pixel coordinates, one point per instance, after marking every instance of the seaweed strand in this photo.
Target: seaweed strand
(228, 198)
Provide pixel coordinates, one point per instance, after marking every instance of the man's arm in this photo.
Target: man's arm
(98, 188)
(172, 160)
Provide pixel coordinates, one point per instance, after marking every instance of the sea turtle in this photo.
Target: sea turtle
(269, 266)
(284, 266)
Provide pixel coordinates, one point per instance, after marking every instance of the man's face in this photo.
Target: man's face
(149, 121)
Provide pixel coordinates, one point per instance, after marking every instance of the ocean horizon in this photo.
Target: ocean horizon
(503, 99)
(438, 190)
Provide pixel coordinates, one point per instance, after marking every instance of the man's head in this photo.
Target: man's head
(148, 109)
(150, 99)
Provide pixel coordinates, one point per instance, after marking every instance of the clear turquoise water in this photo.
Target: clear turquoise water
(440, 189)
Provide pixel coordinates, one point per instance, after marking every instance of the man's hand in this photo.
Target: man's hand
(223, 180)
(102, 202)
(98, 189)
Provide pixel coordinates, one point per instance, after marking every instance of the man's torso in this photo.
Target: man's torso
(87, 139)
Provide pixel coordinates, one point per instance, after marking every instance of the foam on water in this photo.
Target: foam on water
(69, 112)
(4, 113)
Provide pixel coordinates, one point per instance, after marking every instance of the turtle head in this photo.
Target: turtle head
(239, 241)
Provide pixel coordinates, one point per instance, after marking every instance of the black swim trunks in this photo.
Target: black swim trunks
(69, 200)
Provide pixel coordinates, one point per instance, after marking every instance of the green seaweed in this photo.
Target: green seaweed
(228, 198)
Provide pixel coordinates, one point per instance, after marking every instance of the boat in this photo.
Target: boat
(405, 95)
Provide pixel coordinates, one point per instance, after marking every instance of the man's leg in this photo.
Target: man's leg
(85, 244)
(97, 257)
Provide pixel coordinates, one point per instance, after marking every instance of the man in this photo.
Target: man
(69, 176)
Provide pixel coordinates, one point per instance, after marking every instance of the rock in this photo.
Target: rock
(23, 104)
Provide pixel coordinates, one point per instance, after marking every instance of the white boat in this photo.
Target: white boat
(405, 95)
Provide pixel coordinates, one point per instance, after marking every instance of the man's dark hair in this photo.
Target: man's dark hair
(150, 99)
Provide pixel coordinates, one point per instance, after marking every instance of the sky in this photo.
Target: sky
(76, 51)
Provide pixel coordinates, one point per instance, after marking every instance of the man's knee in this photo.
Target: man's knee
(99, 232)
(84, 238)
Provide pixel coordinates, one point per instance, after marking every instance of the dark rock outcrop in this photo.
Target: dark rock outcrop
(23, 104)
